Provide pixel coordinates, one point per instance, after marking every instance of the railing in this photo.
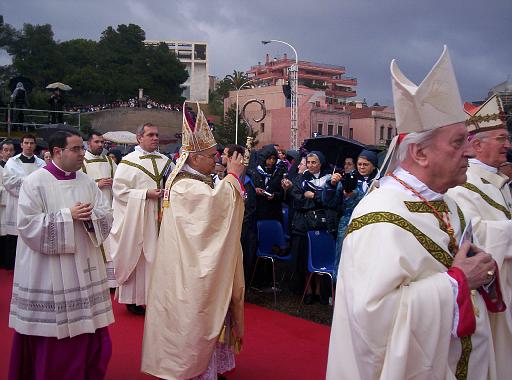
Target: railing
(25, 119)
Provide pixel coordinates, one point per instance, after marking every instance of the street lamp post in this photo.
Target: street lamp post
(236, 119)
(294, 79)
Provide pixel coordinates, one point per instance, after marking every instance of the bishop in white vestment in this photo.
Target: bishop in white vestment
(138, 184)
(411, 301)
(60, 305)
(487, 202)
(101, 169)
(194, 317)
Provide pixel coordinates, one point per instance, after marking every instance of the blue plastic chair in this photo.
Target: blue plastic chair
(270, 235)
(321, 257)
(285, 223)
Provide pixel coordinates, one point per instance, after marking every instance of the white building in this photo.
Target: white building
(194, 54)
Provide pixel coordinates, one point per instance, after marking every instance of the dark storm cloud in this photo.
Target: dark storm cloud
(362, 35)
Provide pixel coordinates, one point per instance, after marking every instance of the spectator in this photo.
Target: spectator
(367, 169)
(56, 102)
(267, 181)
(47, 157)
(283, 159)
(19, 100)
(348, 195)
(349, 165)
(310, 213)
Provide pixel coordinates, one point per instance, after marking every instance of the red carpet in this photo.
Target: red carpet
(277, 346)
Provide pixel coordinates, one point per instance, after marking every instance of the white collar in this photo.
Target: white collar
(93, 155)
(65, 172)
(188, 169)
(486, 167)
(411, 180)
(140, 150)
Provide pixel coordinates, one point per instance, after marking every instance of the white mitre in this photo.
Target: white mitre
(434, 103)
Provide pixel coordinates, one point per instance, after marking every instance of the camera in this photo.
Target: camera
(349, 181)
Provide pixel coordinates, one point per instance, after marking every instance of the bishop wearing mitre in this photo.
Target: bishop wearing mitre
(194, 315)
(414, 296)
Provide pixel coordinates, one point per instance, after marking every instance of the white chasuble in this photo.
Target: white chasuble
(100, 167)
(60, 284)
(486, 200)
(14, 173)
(97, 168)
(197, 275)
(395, 303)
(134, 234)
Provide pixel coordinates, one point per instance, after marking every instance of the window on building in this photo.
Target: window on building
(340, 130)
(200, 52)
(381, 132)
(262, 127)
(390, 133)
(351, 133)
(330, 129)
(320, 128)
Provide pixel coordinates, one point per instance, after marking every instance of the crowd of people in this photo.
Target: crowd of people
(130, 103)
(422, 253)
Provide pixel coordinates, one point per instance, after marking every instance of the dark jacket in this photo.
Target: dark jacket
(303, 206)
(268, 179)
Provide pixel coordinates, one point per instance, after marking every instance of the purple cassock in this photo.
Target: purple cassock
(85, 356)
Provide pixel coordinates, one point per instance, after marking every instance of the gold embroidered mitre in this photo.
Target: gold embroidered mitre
(198, 137)
(486, 117)
(195, 137)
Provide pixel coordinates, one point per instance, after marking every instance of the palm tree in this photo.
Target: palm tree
(237, 79)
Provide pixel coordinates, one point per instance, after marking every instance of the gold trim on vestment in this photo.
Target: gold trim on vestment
(461, 372)
(432, 247)
(186, 175)
(491, 202)
(157, 177)
(104, 159)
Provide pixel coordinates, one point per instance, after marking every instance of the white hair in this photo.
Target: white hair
(423, 139)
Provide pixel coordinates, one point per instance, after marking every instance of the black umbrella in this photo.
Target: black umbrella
(27, 83)
(46, 131)
(335, 148)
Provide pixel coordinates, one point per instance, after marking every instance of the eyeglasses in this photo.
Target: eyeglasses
(501, 139)
(76, 149)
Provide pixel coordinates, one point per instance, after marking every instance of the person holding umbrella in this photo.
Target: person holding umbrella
(56, 101)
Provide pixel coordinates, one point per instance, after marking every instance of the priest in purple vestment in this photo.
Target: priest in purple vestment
(60, 305)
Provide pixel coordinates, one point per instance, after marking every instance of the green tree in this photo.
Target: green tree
(35, 54)
(225, 133)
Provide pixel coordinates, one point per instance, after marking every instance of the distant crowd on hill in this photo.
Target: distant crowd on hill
(130, 103)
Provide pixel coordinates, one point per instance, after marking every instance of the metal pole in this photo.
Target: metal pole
(9, 120)
(236, 116)
(294, 112)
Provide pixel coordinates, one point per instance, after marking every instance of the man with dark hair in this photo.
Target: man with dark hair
(15, 171)
(137, 188)
(61, 305)
(101, 169)
(6, 152)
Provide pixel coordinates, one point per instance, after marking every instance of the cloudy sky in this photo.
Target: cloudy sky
(361, 35)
